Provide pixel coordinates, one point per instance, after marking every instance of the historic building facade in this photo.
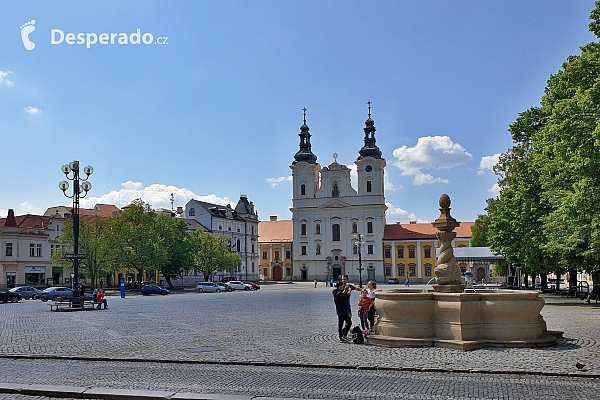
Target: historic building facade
(327, 212)
(275, 239)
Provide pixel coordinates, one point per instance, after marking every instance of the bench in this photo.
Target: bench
(74, 303)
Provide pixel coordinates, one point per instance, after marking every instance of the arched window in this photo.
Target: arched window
(335, 229)
(192, 212)
(303, 229)
(252, 249)
(302, 189)
(369, 227)
(368, 186)
(400, 269)
(354, 227)
(238, 248)
(318, 229)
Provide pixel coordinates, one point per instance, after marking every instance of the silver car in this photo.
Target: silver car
(54, 293)
(26, 292)
(238, 285)
(208, 287)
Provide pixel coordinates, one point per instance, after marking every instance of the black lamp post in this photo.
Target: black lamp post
(358, 240)
(85, 186)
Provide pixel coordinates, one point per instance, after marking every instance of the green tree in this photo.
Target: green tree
(133, 240)
(210, 253)
(177, 242)
(91, 243)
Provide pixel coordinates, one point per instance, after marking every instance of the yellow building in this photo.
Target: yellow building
(409, 251)
(275, 249)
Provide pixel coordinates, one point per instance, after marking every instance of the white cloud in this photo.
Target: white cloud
(353, 173)
(157, 195)
(4, 78)
(487, 163)
(3, 213)
(28, 208)
(32, 110)
(495, 190)
(401, 215)
(388, 185)
(276, 181)
(431, 152)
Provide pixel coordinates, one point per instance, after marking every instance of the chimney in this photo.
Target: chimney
(273, 218)
(10, 219)
(179, 210)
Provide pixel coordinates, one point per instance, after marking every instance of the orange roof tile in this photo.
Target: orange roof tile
(422, 231)
(275, 231)
(29, 221)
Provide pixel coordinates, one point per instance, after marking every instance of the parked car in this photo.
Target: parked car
(239, 285)
(26, 292)
(54, 292)
(208, 287)
(393, 281)
(9, 296)
(134, 285)
(255, 286)
(224, 286)
(154, 289)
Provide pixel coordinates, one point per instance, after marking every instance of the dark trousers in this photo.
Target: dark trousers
(372, 316)
(343, 330)
(363, 315)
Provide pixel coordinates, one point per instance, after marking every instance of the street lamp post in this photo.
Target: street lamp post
(85, 186)
(358, 240)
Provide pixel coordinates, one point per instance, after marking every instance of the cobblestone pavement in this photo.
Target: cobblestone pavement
(284, 324)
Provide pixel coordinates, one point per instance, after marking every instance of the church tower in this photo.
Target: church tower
(305, 170)
(370, 165)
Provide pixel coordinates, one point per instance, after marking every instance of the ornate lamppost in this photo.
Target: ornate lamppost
(358, 241)
(85, 186)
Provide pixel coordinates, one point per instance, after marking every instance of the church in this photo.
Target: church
(338, 229)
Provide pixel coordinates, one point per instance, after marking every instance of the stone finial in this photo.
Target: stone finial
(447, 270)
(445, 222)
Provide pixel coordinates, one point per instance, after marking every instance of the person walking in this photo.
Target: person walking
(316, 283)
(407, 283)
(341, 296)
(372, 287)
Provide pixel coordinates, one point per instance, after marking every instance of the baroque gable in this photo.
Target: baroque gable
(335, 204)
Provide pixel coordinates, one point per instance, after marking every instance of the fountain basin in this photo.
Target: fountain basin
(467, 320)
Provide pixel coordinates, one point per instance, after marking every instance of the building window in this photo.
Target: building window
(411, 251)
(401, 252)
(288, 272)
(355, 249)
(318, 250)
(387, 252)
(368, 186)
(288, 254)
(303, 189)
(253, 230)
(264, 254)
(229, 229)
(8, 249)
(400, 269)
(412, 268)
(192, 212)
(220, 227)
(318, 229)
(252, 249)
(354, 228)
(276, 255)
(369, 227)
(303, 250)
(427, 269)
(370, 249)
(238, 229)
(238, 247)
(335, 229)
(32, 250)
(252, 266)
(427, 251)
(265, 272)
(388, 270)
(303, 229)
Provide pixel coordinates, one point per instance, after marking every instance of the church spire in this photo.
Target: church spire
(370, 149)
(305, 153)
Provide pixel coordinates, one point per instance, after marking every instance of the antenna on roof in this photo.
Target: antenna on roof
(172, 201)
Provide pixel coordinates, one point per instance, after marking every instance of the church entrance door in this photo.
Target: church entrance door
(337, 272)
(371, 273)
(480, 274)
(277, 273)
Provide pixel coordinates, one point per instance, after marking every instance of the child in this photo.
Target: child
(364, 304)
(372, 285)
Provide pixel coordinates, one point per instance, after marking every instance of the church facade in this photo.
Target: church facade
(329, 215)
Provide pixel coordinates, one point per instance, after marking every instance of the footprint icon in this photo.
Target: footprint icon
(26, 29)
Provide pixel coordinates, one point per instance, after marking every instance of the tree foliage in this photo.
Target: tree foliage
(210, 253)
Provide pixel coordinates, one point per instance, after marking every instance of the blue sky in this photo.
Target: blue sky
(216, 111)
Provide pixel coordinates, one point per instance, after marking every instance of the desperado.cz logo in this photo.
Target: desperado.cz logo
(57, 36)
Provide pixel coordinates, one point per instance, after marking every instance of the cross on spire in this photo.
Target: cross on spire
(304, 109)
(369, 103)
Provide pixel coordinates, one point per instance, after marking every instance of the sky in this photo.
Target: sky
(211, 107)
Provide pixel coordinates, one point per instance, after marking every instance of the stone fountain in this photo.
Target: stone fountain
(451, 317)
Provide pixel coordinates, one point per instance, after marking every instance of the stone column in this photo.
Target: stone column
(447, 270)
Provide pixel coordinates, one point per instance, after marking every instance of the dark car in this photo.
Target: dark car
(393, 281)
(9, 296)
(228, 278)
(255, 286)
(154, 289)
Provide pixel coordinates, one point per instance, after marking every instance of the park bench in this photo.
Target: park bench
(74, 303)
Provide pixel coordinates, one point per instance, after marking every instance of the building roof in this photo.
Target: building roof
(99, 210)
(28, 221)
(275, 231)
(218, 211)
(421, 231)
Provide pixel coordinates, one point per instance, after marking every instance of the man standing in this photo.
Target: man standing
(315, 283)
(341, 298)
(351, 288)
